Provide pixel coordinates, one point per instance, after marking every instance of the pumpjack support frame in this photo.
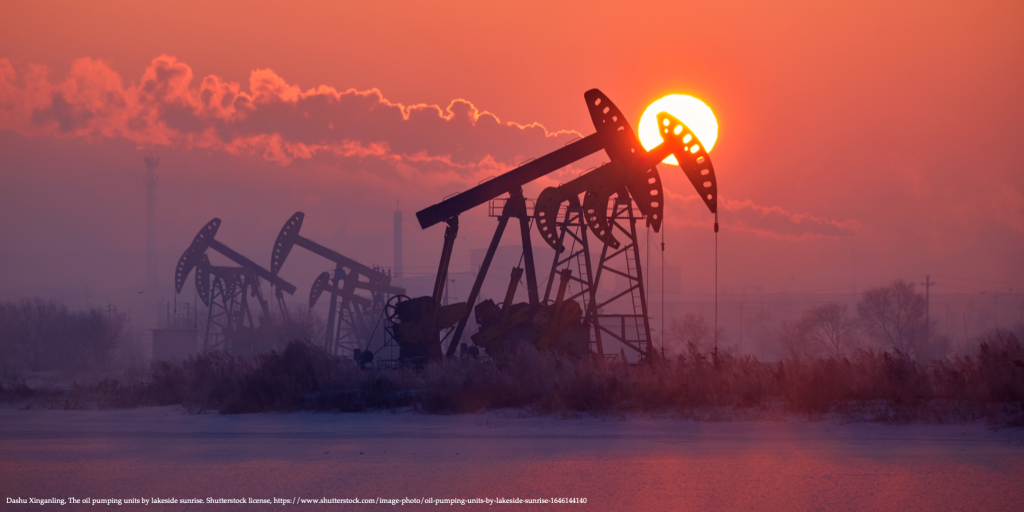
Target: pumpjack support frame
(350, 315)
(622, 261)
(515, 207)
(573, 257)
(226, 297)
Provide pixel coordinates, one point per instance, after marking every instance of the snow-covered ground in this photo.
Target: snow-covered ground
(616, 464)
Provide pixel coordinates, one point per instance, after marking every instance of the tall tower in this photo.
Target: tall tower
(151, 264)
(398, 241)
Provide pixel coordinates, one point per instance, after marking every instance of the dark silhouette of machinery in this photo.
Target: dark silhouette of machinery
(351, 322)
(225, 291)
(576, 322)
(631, 176)
(555, 327)
(416, 324)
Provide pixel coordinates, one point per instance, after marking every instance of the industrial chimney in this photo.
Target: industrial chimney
(151, 264)
(398, 241)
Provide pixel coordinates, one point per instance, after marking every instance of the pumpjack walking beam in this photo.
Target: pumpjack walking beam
(511, 181)
(205, 240)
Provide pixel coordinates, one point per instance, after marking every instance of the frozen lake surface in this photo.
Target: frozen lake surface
(629, 464)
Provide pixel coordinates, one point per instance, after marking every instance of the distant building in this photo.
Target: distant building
(398, 244)
(178, 338)
(174, 344)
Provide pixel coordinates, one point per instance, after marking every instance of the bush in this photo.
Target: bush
(38, 335)
(866, 385)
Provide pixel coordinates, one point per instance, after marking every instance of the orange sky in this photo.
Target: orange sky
(892, 128)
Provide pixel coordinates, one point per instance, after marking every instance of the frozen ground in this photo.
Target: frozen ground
(631, 464)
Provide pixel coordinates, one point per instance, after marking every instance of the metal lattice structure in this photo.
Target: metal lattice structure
(230, 326)
(574, 256)
(225, 290)
(633, 328)
(151, 264)
(352, 319)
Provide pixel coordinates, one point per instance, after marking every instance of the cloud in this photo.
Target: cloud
(775, 222)
(762, 221)
(425, 146)
(272, 119)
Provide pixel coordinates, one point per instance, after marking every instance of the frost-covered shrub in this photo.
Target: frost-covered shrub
(866, 384)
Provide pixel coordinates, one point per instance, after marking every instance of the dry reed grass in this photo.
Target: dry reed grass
(866, 386)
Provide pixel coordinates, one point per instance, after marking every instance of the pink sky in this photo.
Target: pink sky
(894, 129)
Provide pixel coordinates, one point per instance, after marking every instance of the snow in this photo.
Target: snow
(628, 463)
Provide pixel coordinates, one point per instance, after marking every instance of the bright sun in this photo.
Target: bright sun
(691, 111)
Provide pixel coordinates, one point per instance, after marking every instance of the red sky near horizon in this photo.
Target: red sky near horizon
(858, 143)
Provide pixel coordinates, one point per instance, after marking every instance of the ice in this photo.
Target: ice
(631, 463)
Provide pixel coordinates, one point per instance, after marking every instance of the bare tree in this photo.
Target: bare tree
(894, 317)
(44, 335)
(93, 337)
(693, 330)
(796, 341)
(829, 326)
(307, 324)
(32, 330)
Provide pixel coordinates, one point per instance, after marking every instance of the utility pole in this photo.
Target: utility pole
(967, 337)
(399, 267)
(760, 315)
(151, 267)
(446, 288)
(853, 264)
(995, 311)
(928, 283)
(741, 321)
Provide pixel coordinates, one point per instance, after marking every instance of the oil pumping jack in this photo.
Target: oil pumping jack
(350, 321)
(225, 291)
(631, 174)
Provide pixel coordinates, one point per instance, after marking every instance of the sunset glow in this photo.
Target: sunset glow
(693, 112)
(333, 253)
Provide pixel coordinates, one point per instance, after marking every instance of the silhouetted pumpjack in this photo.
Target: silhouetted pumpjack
(631, 173)
(230, 326)
(350, 324)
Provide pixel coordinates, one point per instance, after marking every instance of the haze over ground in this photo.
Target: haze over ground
(859, 142)
(672, 464)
